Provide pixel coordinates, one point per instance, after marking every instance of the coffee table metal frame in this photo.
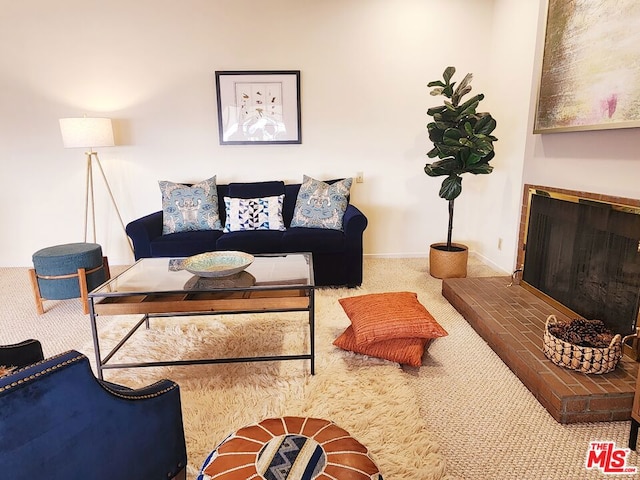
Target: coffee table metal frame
(270, 297)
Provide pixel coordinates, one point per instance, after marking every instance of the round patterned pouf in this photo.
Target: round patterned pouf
(67, 271)
(290, 448)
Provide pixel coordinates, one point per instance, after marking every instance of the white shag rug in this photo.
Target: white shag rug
(370, 398)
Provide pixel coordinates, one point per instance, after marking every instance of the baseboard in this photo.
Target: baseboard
(488, 262)
(473, 256)
(396, 255)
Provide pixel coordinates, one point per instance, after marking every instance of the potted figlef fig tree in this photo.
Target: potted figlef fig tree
(463, 143)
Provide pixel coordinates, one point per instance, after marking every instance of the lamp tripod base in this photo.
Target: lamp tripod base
(89, 204)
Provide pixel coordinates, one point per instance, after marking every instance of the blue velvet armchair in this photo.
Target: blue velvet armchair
(57, 420)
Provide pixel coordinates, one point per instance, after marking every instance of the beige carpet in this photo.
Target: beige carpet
(487, 424)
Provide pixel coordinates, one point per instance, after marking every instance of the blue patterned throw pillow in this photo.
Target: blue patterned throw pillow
(321, 205)
(263, 213)
(187, 208)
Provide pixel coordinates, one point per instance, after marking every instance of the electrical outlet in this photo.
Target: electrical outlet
(359, 177)
(499, 244)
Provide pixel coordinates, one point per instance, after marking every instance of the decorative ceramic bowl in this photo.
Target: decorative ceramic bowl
(217, 264)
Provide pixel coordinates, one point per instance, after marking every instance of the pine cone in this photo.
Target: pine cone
(583, 332)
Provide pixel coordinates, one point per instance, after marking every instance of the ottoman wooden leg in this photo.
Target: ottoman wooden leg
(82, 281)
(84, 293)
(105, 265)
(36, 291)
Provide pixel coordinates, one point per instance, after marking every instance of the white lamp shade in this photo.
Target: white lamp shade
(86, 132)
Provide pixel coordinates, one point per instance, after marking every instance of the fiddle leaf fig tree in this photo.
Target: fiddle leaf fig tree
(461, 137)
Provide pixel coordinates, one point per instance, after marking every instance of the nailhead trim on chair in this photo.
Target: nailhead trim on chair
(41, 373)
(74, 360)
(141, 397)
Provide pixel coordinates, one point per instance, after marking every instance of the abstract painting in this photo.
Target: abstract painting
(591, 66)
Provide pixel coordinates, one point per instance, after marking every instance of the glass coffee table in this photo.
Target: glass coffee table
(158, 287)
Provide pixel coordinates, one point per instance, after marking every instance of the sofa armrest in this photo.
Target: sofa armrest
(142, 231)
(354, 224)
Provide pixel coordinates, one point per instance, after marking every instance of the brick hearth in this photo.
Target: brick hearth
(511, 320)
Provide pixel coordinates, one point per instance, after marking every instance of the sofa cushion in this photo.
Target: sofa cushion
(320, 204)
(252, 241)
(185, 244)
(256, 189)
(262, 213)
(290, 197)
(298, 239)
(189, 207)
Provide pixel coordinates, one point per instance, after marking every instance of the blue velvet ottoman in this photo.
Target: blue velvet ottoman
(67, 271)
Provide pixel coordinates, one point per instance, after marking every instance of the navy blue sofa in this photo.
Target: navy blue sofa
(337, 255)
(58, 421)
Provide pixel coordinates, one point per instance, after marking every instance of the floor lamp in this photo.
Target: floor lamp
(91, 133)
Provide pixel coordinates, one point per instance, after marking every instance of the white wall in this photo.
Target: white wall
(365, 64)
(488, 211)
(150, 66)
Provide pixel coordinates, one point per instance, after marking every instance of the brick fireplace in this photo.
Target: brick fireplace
(511, 319)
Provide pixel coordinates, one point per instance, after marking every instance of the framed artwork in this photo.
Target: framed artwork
(591, 67)
(258, 107)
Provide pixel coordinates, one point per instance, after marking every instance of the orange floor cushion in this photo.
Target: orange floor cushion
(394, 326)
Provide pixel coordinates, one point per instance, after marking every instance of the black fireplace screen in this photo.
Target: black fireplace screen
(586, 256)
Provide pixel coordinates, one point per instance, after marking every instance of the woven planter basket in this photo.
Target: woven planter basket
(582, 359)
(446, 264)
